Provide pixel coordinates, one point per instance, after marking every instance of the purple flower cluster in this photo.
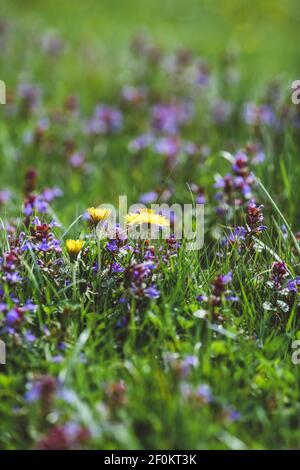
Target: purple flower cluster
(138, 278)
(278, 273)
(48, 391)
(5, 196)
(181, 368)
(258, 115)
(39, 203)
(220, 293)
(221, 111)
(14, 314)
(105, 120)
(171, 147)
(242, 236)
(70, 436)
(235, 187)
(29, 96)
(294, 285)
(134, 95)
(41, 238)
(9, 264)
(169, 118)
(119, 243)
(255, 217)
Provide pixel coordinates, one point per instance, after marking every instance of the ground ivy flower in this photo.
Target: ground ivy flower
(70, 436)
(256, 153)
(255, 217)
(29, 96)
(134, 95)
(140, 143)
(202, 395)
(14, 317)
(51, 193)
(29, 336)
(221, 111)
(5, 196)
(34, 204)
(41, 238)
(278, 272)
(105, 120)
(148, 198)
(230, 414)
(117, 268)
(169, 118)
(42, 388)
(181, 367)
(152, 292)
(220, 282)
(237, 235)
(220, 293)
(138, 278)
(294, 285)
(258, 115)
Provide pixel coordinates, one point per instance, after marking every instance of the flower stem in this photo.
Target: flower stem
(99, 252)
(74, 267)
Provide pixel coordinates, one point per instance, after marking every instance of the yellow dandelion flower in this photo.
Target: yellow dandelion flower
(74, 247)
(146, 216)
(97, 215)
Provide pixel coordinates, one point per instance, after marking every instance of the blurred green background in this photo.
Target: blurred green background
(266, 32)
(96, 63)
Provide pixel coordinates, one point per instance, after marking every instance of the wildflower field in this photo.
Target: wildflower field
(113, 339)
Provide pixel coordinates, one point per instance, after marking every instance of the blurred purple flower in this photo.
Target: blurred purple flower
(148, 198)
(152, 292)
(5, 196)
(117, 268)
(256, 115)
(105, 120)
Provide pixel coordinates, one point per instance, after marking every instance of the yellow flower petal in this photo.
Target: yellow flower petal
(146, 216)
(74, 246)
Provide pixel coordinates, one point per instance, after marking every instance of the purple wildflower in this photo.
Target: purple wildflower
(148, 198)
(29, 337)
(278, 272)
(152, 292)
(237, 235)
(117, 268)
(204, 393)
(294, 285)
(140, 143)
(168, 118)
(257, 115)
(5, 196)
(105, 120)
(221, 111)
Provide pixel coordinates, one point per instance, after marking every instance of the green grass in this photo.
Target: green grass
(122, 362)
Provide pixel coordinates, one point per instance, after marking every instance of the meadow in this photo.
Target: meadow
(118, 342)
